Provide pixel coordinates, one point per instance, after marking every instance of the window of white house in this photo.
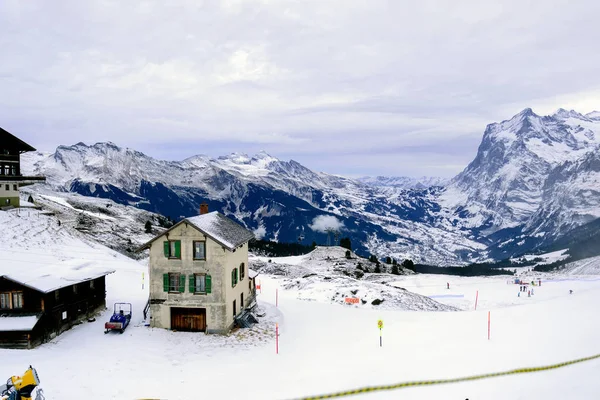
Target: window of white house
(15, 187)
(17, 300)
(199, 250)
(242, 271)
(7, 187)
(174, 283)
(4, 300)
(199, 283)
(234, 277)
(172, 248)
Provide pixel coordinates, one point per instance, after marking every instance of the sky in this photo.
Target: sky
(348, 87)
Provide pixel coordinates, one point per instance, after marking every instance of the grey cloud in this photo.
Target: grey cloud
(366, 79)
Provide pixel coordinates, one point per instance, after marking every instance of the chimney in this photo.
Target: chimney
(203, 208)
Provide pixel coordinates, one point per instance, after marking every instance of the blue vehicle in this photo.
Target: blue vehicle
(120, 318)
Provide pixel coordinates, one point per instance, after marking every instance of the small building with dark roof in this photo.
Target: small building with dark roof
(199, 277)
(38, 303)
(11, 179)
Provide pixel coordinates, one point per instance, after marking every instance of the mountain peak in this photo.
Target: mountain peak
(525, 112)
(563, 114)
(595, 115)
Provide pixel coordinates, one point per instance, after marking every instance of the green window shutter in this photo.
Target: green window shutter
(232, 278)
(178, 249)
(192, 283)
(236, 276)
(166, 248)
(181, 283)
(166, 281)
(208, 284)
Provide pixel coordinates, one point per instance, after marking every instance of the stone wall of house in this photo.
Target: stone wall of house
(218, 264)
(8, 195)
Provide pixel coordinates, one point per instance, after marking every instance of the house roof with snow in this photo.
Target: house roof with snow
(46, 278)
(218, 227)
(18, 322)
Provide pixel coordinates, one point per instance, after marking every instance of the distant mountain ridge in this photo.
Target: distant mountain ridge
(533, 180)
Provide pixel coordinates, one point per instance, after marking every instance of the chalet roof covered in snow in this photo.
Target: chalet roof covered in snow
(18, 323)
(218, 227)
(48, 277)
(222, 229)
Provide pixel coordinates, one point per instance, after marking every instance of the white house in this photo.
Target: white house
(199, 278)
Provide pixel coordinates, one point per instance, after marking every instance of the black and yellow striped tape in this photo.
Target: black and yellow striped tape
(369, 389)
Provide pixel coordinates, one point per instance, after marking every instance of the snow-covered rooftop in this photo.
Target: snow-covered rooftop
(18, 323)
(222, 229)
(48, 277)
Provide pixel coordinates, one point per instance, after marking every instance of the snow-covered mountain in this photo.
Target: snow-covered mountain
(533, 180)
(279, 200)
(393, 184)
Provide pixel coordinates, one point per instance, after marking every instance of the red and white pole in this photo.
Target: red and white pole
(276, 338)
(476, 297)
(488, 325)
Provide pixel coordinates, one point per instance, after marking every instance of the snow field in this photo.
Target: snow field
(323, 347)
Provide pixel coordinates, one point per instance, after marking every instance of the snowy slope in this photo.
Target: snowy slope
(116, 226)
(395, 184)
(587, 266)
(326, 275)
(322, 347)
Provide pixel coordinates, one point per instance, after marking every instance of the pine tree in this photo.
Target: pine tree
(345, 243)
(395, 269)
(377, 269)
(388, 260)
(348, 254)
(148, 227)
(30, 199)
(408, 264)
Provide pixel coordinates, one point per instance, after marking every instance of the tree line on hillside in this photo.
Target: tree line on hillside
(275, 249)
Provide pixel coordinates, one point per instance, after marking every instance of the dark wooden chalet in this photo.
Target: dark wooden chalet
(37, 305)
(11, 178)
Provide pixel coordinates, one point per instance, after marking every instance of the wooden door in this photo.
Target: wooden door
(188, 319)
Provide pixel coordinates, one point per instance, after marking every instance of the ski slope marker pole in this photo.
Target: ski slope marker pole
(476, 297)
(488, 325)
(276, 338)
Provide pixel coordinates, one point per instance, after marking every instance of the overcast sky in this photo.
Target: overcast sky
(348, 87)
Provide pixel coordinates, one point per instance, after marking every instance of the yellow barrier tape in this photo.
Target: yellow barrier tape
(369, 389)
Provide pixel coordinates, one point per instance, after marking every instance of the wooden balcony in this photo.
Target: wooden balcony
(22, 179)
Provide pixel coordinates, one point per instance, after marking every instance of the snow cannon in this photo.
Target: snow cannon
(120, 318)
(22, 387)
